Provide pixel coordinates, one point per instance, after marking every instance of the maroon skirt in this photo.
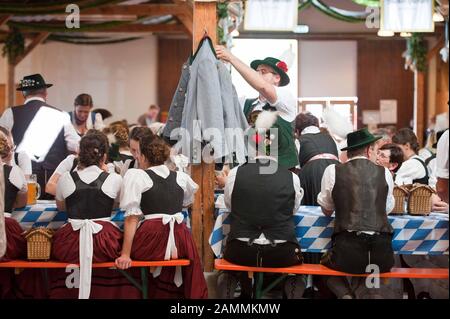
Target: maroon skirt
(150, 243)
(16, 244)
(105, 283)
(28, 283)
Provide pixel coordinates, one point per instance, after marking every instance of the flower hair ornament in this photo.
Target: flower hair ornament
(282, 65)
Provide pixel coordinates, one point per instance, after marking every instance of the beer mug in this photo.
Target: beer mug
(34, 189)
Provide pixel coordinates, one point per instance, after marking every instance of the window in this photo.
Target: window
(347, 106)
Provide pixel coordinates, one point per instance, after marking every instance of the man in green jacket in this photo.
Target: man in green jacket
(269, 78)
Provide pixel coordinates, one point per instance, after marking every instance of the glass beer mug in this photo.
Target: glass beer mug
(34, 189)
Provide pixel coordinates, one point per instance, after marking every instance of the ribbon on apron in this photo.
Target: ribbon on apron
(171, 248)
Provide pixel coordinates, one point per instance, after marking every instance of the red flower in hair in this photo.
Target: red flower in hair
(281, 65)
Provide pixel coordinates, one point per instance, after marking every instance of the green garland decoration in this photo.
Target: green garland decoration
(417, 50)
(46, 27)
(90, 41)
(51, 7)
(14, 45)
(343, 15)
(222, 12)
(333, 12)
(368, 3)
(304, 5)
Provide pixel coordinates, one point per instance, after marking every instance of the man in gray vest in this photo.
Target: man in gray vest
(42, 131)
(361, 195)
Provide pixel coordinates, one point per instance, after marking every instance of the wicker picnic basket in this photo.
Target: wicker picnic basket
(401, 200)
(419, 202)
(39, 243)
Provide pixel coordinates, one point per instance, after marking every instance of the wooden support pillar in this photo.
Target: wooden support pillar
(204, 19)
(419, 105)
(10, 84)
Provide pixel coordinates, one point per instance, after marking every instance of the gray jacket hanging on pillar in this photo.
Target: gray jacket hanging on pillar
(211, 109)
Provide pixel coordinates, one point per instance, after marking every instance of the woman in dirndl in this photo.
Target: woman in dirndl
(153, 200)
(88, 194)
(15, 195)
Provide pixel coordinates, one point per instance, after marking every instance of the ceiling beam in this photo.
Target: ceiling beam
(154, 28)
(41, 37)
(138, 10)
(186, 17)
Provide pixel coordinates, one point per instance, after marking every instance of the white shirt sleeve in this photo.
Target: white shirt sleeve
(285, 104)
(325, 198)
(65, 165)
(189, 187)
(112, 185)
(298, 192)
(24, 163)
(390, 200)
(71, 137)
(17, 178)
(410, 170)
(229, 185)
(7, 119)
(135, 182)
(442, 156)
(65, 187)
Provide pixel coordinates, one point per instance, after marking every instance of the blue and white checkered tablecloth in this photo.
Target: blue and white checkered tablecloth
(416, 235)
(45, 214)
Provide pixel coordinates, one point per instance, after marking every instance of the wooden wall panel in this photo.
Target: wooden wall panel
(172, 53)
(19, 98)
(381, 75)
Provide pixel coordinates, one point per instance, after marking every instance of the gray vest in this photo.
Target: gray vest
(359, 194)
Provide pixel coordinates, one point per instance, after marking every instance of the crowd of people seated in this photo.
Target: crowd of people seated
(90, 169)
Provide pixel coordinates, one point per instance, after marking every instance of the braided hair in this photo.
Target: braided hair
(93, 147)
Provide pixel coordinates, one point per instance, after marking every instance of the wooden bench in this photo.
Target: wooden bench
(143, 265)
(317, 269)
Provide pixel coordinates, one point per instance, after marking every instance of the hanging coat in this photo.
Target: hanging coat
(211, 109)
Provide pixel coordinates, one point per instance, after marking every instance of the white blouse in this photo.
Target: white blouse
(66, 185)
(410, 170)
(24, 162)
(67, 164)
(137, 181)
(17, 178)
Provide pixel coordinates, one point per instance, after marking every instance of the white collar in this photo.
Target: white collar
(358, 157)
(92, 168)
(126, 152)
(266, 157)
(161, 170)
(310, 130)
(35, 98)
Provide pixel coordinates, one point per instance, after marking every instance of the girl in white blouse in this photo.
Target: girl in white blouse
(21, 159)
(87, 194)
(156, 196)
(69, 164)
(15, 195)
(413, 169)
